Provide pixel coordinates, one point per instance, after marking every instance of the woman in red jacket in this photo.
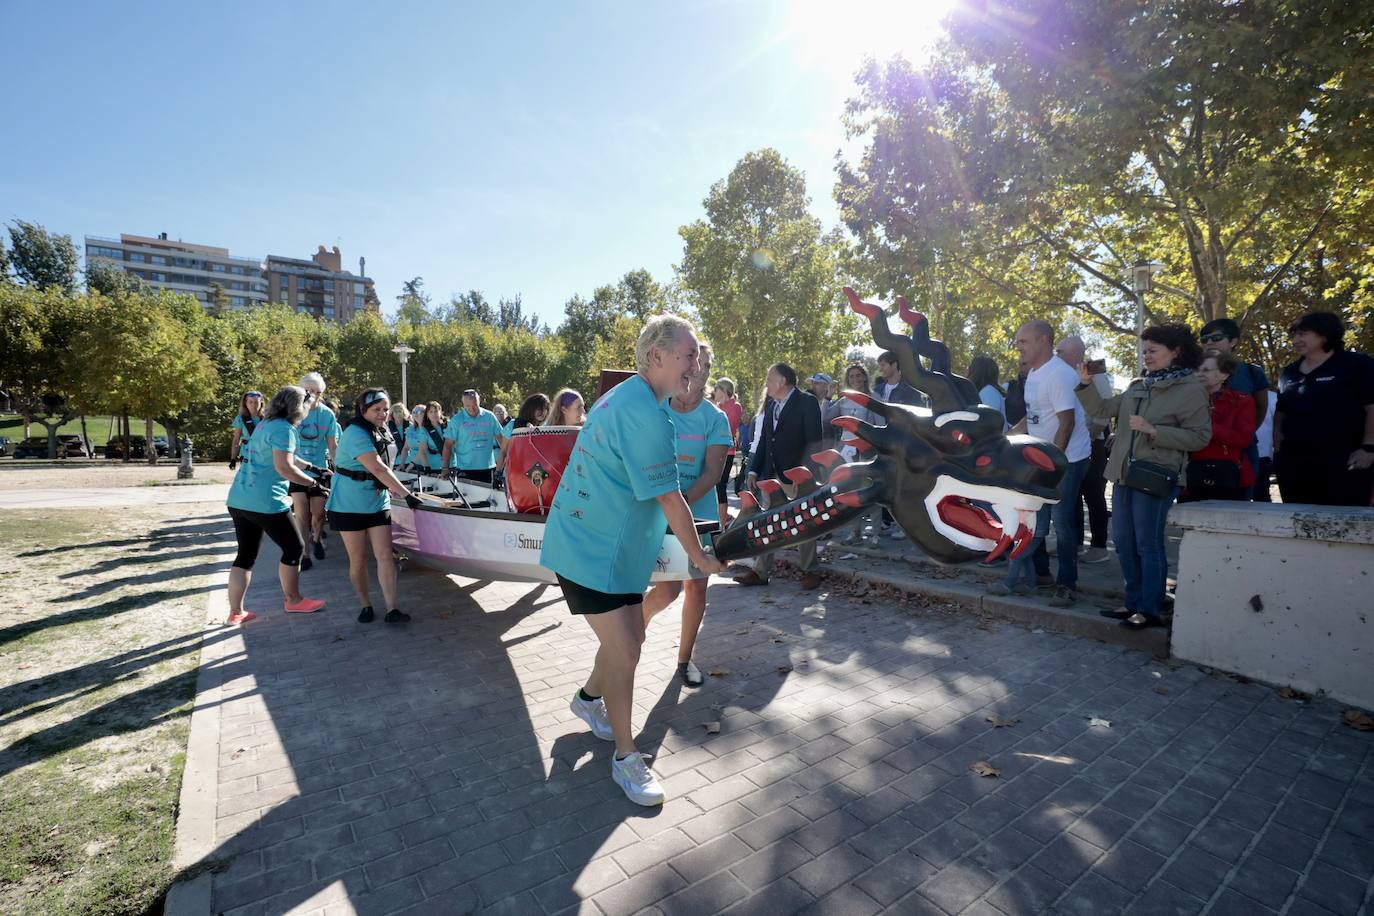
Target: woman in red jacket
(1221, 469)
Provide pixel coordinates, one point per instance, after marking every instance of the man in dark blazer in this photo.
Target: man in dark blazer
(791, 433)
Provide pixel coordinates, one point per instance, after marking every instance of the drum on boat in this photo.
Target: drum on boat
(534, 465)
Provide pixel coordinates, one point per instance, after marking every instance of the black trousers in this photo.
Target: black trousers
(249, 528)
(1095, 496)
(1321, 479)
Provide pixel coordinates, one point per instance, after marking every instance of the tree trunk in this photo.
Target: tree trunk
(86, 437)
(152, 446)
(128, 446)
(28, 421)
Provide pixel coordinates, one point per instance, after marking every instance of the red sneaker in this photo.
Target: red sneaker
(241, 617)
(306, 606)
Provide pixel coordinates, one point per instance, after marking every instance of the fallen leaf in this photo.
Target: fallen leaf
(1288, 693)
(784, 669)
(779, 639)
(1095, 721)
(1160, 690)
(338, 637)
(983, 768)
(445, 615)
(1358, 720)
(999, 722)
(712, 728)
(718, 672)
(238, 753)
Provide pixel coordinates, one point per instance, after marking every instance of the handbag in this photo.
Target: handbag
(1213, 474)
(1147, 476)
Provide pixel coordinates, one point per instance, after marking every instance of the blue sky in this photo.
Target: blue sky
(541, 148)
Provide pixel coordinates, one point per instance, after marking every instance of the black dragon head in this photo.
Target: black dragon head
(956, 483)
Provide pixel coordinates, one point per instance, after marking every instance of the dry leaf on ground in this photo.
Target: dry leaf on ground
(1095, 721)
(1358, 720)
(712, 728)
(983, 768)
(719, 671)
(999, 722)
(1160, 690)
(784, 669)
(1288, 693)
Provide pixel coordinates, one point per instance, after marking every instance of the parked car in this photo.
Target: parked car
(138, 447)
(162, 449)
(68, 446)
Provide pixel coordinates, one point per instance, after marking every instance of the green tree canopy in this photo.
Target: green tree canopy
(762, 277)
(41, 258)
(40, 359)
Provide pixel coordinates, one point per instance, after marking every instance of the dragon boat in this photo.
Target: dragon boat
(959, 487)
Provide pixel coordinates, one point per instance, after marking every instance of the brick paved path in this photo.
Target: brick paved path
(436, 768)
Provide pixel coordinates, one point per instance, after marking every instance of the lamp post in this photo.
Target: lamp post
(1142, 275)
(404, 352)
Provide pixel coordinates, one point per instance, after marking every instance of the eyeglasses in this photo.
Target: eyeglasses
(1214, 338)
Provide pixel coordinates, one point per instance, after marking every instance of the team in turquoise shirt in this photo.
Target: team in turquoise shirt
(699, 429)
(319, 426)
(347, 494)
(472, 437)
(257, 486)
(605, 527)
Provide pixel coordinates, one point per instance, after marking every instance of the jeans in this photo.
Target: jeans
(1068, 535)
(1138, 530)
(1024, 565)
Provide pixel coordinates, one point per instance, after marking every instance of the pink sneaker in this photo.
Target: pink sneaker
(306, 606)
(241, 617)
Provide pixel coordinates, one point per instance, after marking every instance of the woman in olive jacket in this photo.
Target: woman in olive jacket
(1160, 418)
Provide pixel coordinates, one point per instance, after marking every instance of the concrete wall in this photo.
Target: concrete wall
(1280, 593)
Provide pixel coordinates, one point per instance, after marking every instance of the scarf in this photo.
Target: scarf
(1154, 376)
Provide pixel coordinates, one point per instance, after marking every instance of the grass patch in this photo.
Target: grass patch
(99, 645)
(100, 429)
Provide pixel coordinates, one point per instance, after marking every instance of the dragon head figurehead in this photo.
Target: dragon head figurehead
(954, 481)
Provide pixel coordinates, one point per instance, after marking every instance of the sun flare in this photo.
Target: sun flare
(837, 37)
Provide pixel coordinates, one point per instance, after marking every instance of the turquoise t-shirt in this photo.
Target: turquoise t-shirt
(244, 432)
(705, 426)
(347, 494)
(474, 439)
(507, 428)
(605, 528)
(434, 455)
(257, 486)
(315, 430)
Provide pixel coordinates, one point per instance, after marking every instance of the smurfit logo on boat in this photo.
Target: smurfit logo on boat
(524, 543)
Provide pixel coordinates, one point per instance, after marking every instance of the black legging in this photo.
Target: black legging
(280, 527)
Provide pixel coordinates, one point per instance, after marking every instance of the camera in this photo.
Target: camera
(1096, 366)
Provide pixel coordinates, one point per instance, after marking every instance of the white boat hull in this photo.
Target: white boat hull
(487, 542)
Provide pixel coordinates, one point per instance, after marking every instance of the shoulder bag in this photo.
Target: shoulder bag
(1147, 476)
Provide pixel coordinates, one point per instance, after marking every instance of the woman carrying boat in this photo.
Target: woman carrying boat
(319, 434)
(359, 508)
(260, 504)
(606, 526)
(703, 440)
(431, 458)
(247, 420)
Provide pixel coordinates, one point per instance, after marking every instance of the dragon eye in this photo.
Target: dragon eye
(1038, 458)
(960, 436)
(982, 461)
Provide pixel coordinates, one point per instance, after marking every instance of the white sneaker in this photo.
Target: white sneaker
(593, 712)
(634, 776)
(898, 534)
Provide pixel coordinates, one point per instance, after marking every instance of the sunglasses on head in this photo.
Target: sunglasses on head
(372, 397)
(253, 394)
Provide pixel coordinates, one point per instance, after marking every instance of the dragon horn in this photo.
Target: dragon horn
(911, 316)
(828, 458)
(799, 475)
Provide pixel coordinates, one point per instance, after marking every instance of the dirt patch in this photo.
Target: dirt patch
(86, 475)
(100, 634)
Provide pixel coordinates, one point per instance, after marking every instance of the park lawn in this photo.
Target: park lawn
(103, 612)
(100, 429)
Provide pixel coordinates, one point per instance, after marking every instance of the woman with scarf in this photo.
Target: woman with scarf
(431, 436)
(359, 508)
(247, 420)
(1160, 418)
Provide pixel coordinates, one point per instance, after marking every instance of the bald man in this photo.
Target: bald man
(1073, 351)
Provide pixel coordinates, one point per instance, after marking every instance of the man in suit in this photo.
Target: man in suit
(791, 432)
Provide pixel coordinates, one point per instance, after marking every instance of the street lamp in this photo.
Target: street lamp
(404, 352)
(1142, 275)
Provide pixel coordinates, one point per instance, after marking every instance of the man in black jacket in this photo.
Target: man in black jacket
(791, 433)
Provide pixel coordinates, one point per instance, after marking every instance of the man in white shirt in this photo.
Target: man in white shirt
(1073, 351)
(1054, 413)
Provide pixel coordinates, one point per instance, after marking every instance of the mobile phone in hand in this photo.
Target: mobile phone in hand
(1096, 366)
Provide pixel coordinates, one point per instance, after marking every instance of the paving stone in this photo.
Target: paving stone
(696, 864)
(894, 877)
(957, 885)
(1264, 880)
(945, 844)
(771, 827)
(1223, 839)
(1094, 895)
(1163, 898)
(1130, 865)
(1197, 872)
(1067, 857)
(770, 863)
(843, 901)
(1337, 891)
(1161, 833)
(639, 892)
(1030, 890)
(784, 896)
(831, 869)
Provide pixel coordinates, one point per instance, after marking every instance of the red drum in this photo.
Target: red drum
(534, 466)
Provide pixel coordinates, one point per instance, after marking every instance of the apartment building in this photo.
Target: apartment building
(319, 286)
(184, 267)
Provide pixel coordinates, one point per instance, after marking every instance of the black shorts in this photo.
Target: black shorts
(583, 600)
(724, 477)
(249, 527)
(482, 474)
(293, 487)
(358, 521)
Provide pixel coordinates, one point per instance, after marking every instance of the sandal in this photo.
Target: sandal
(1140, 621)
